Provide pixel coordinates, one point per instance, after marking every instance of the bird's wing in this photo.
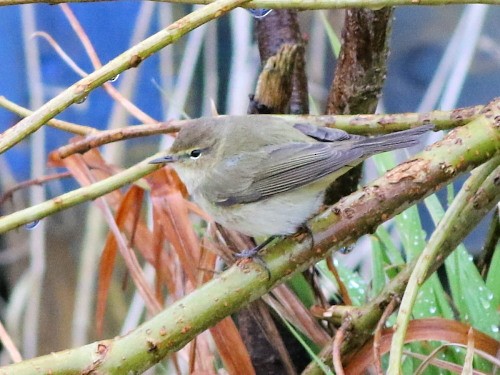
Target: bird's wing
(254, 176)
(324, 134)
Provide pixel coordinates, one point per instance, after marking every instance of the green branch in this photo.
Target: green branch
(386, 123)
(353, 216)
(129, 59)
(58, 124)
(74, 197)
(287, 4)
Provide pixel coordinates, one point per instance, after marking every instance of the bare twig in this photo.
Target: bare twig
(120, 134)
(96, 62)
(378, 333)
(37, 181)
(337, 345)
(9, 345)
(342, 289)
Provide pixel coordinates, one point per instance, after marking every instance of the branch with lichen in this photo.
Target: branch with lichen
(357, 214)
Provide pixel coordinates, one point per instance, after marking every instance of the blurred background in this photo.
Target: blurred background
(441, 58)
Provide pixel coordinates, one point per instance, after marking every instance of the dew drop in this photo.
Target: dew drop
(353, 284)
(495, 329)
(486, 304)
(81, 99)
(432, 309)
(31, 225)
(346, 249)
(114, 78)
(259, 13)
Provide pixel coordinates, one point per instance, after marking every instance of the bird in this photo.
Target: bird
(264, 176)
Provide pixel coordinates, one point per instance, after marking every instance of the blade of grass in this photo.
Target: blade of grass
(470, 293)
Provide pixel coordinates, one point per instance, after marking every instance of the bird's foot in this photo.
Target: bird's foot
(304, 232)
(253, 254)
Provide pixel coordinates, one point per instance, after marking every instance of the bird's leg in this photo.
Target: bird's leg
(304, 229)
(252, 253)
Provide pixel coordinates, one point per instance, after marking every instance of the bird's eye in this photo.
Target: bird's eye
(195, 154)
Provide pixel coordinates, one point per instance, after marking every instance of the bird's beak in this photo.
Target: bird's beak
(164, 159)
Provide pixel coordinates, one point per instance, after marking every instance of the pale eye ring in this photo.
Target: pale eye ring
(195, 154)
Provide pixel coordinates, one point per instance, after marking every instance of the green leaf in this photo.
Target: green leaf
(355, 285)
(493, 278)
(302, 289)
(332, 37)
(432, 300)
(471, 295)
(378, 281)
(309, 350)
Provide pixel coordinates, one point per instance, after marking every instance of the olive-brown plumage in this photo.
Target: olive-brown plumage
(261, 176)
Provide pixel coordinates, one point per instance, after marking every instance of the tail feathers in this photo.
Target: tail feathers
(393, 141)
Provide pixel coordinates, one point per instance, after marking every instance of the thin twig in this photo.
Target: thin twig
(9, 345)
(58, 124)
(113, 135)
(68, 60)
(356, 124)
(36, 181)
(337, 345)
(378, 333)
(342, 289)
(96, 63)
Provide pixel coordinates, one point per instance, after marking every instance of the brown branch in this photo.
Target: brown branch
(342, 289)
(107, 136)
(378, 333)
(274, 86)
(279, 28)
(37, 181)
(359, 77)
(337, 345)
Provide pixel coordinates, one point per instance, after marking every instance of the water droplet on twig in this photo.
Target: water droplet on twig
(259, 13)
(31, 225)
(81, 99)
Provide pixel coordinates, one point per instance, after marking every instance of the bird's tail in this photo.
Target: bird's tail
(393, 141)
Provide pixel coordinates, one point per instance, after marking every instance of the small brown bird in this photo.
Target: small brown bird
(262, 176)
